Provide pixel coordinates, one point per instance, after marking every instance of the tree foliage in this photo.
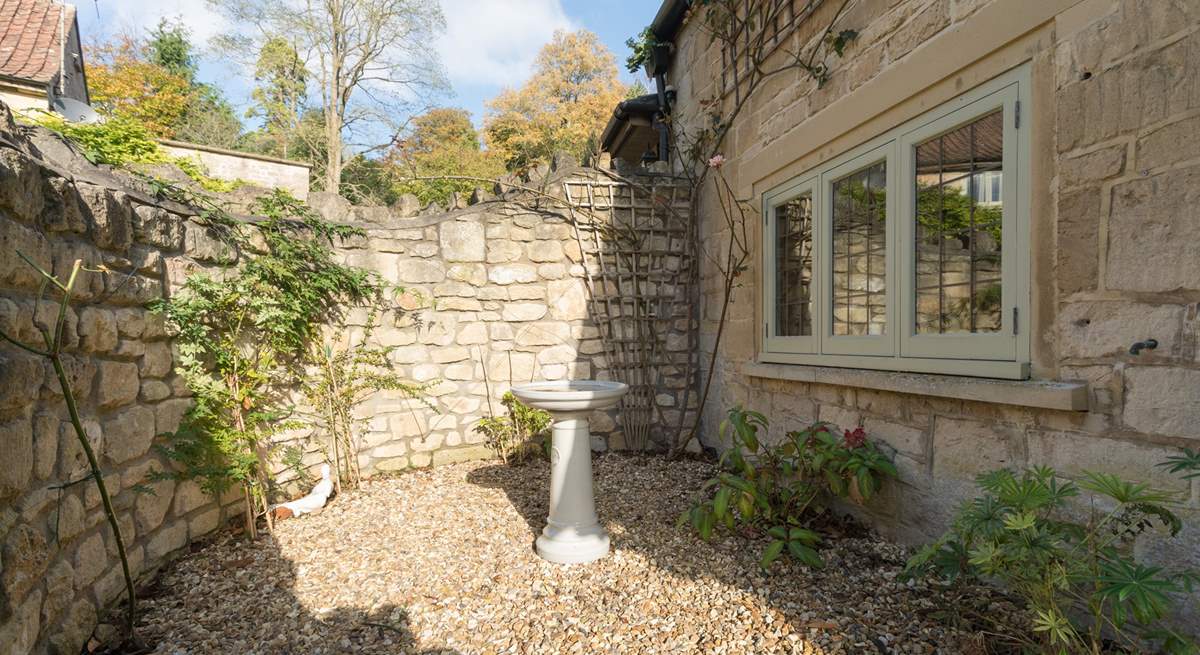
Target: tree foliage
(563, 107)
(170, 48)
(124, 83)
(370, 60)
(153, 81)
(442, 142)
(280, 94)
(210, 119)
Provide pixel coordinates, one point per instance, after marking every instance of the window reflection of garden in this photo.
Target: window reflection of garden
(958, 239)
(793, 267)
(959, 216)
(860, 252)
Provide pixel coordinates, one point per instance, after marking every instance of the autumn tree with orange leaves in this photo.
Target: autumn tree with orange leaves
(562, 107)
(123, 82)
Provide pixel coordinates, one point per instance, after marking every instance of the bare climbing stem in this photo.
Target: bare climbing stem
(52, 336)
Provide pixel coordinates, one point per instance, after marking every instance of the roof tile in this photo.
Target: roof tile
(30, 45)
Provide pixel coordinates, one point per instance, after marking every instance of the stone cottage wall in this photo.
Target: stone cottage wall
(1115, 116)
(58, 562)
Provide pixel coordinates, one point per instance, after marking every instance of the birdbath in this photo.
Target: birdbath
(572, 535)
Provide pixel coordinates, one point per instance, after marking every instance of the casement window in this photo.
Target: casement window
(909, 252)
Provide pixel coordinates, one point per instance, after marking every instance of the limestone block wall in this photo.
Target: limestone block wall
(58, 563)
(260, 170)
(499, 296)
(1114, 111)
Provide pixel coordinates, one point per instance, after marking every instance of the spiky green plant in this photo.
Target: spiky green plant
(1072, 563)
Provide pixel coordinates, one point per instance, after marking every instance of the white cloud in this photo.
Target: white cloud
(494, 43)
(140, 16)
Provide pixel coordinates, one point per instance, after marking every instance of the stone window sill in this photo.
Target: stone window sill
(1068, 396)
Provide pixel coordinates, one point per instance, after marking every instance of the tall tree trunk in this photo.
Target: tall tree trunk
(333, 143)
(335, 108)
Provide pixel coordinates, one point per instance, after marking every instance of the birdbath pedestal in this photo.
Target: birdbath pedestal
(572, 534)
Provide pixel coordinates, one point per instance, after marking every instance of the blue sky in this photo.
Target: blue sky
(488, 44)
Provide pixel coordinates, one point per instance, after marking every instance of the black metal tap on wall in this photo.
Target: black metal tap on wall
(1138, 347)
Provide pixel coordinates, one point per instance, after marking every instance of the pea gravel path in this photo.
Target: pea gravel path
(441, 561)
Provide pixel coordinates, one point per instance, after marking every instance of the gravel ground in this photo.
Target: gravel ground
(442, 561)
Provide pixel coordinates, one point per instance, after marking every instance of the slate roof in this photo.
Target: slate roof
(30, 40)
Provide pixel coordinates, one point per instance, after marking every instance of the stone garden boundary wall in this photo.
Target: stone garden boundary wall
(500, 292)
(58, 563)
(249, 167)
(497, 293)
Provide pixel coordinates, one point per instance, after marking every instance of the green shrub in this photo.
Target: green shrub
(121, 141)
(242, 336)
(514, 436)
(1072, 564)
(193, 168)
(343, 374)
(779, 490)
(117, 141)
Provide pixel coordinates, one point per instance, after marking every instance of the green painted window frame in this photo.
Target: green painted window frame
(997, 355)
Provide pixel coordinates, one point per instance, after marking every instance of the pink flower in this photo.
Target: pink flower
(716, 161)
(856, 438)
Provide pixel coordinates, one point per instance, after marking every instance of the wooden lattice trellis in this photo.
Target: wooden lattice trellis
(636, 241)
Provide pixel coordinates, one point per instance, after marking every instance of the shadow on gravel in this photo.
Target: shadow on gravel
(254, 609)
(640, 514)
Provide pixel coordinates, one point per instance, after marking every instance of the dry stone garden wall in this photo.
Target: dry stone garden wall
(496, 293)
(499, 293)
(58, 563)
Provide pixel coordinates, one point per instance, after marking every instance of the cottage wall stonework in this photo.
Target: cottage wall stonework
(1115, 184)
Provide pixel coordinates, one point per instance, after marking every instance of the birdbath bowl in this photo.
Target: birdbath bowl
(572, 535)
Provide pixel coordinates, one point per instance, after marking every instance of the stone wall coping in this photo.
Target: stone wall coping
(187, 145)
(1047, 394)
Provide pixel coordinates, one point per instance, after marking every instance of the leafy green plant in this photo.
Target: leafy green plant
(779, 490)
(241, 335)
(641, 49)
(1078, 576)
(342, 378)
(523, 430)
(122, 140)
(1187, 463)
(193, 168)
(117, 141)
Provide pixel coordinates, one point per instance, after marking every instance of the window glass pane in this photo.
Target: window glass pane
(860, 252)
(958, 231)
(793, 267)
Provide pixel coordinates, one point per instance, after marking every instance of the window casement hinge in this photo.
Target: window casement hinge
(1017, 115)
(766, 332)
(1015, 324)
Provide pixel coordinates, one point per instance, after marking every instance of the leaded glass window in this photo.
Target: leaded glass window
(958, 234)
(860, 252)
(793, 266)
(908, 250)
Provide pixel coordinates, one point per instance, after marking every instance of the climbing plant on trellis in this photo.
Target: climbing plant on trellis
(636, 242)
